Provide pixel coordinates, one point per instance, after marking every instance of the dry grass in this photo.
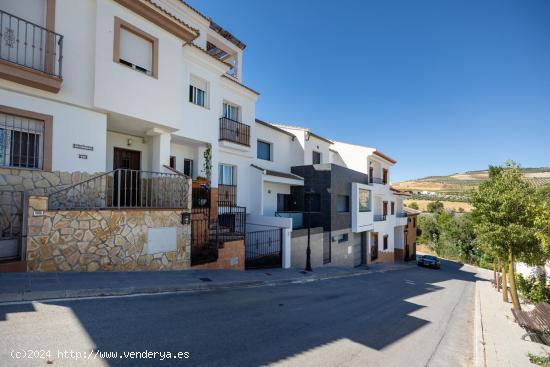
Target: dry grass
(425, 249)
(450, 205)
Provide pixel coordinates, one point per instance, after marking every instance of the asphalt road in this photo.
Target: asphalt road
(413, 317)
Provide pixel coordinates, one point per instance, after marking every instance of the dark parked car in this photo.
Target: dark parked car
(428, 261)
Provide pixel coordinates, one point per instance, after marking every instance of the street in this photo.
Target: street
(412, 317)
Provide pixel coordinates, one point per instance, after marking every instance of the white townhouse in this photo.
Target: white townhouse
(148, 88)
(139, 84)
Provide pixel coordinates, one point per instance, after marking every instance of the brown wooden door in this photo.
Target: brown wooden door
(385, 208)
(127, 164)
(374, 247)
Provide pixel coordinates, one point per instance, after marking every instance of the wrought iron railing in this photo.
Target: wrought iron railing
(297, 218)
(264, 248)
(227, 195)
(123, 189)
(30, 45)
(401, 215)
(377, 180)
(234, 131)
(379, 217)
(231, 224)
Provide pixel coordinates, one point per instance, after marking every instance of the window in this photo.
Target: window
(135, 48)
(173, 162)
(342, 238)
(188, 167)
(385, 242)
(227, 175)
(231, 112)
(342, 203)
(283, 202)
(21, 142)
(264, 150)
(198, 91)
(392, 208)
(414, 222)
(385, 208)
(316, 157)
(384, 176)
(364, 200)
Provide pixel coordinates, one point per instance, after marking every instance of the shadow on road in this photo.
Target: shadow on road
(263, 325)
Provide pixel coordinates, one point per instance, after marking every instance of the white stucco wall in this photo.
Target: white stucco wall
(71, 125)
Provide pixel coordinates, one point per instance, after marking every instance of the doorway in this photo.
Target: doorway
(127, 164)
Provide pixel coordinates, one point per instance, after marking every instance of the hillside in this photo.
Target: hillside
(458, 183)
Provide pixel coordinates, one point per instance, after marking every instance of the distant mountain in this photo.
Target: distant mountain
(460, 182)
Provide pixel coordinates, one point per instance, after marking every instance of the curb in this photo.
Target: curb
(27, 296)
(479, 339)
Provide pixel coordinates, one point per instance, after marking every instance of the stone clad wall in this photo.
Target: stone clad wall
(101, 240)
(41, 183)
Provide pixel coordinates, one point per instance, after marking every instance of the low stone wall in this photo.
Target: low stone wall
(385, 257)
(399, 254)
(230, 257)
(105, 240)
(40, 183)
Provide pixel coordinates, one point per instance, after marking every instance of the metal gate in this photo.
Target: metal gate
(204, 247)
(264, 249)
(12, 204)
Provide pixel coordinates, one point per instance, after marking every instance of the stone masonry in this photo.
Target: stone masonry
(101, 240)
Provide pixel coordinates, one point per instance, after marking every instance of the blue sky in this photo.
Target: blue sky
(440, 85)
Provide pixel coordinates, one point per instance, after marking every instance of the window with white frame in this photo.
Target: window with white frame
(264, 150)
(364, 200)
(231, 111)
(21, 142)
(198, 91)
(316, 157)
(227, 174)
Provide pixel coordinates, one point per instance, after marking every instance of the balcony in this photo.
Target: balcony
(234, 131)
(380, 218)
(377, 180)
(297, 218)
(30, 54)
(401, 215)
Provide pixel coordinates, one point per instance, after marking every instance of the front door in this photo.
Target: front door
(364, 248)
(126, 164)
(374, 247)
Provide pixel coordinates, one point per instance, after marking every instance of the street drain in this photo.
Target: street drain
(205, 279)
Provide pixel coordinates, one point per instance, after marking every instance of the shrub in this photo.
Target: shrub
(413, 205)
(533, 288)
(435, 206)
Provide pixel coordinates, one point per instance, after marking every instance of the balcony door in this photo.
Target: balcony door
(127, 178)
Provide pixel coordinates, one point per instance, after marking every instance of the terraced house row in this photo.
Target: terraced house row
(129, 141)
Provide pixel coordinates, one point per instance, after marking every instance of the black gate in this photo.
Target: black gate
(264, 249)
(204, 247)
(11, 225)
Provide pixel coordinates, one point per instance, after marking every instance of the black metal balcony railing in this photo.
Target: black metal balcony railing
(401, 215)
(379, 218)
(122, 189)
(377, 180)
(234, 131)
(30, 45)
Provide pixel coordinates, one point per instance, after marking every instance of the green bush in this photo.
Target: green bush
(413, 205)
(435, 206)
(533, 288)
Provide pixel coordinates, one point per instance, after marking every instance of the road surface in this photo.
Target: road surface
(413, 317)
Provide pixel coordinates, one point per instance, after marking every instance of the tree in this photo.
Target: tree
(413, 205)
(435, 206)
(504, 213)
(428, 225)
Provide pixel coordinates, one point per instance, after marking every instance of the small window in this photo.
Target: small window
(342, 203)
(188, 167)
(173, 162)
(316, 157)
(231, 112)
(198, 91)
(283, 202)
(384, 176)
(264, 150)
(135, 48)
(227, 175)
(21, 142)
(385, 242)
(414, 222)
(392, 208)
(342, 238)
(364, 205)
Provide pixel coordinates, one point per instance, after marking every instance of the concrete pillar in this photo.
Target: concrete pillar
(160, 149)
(287, 243)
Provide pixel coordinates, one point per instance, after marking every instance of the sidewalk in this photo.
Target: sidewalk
(498, 337)
(16, 287)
